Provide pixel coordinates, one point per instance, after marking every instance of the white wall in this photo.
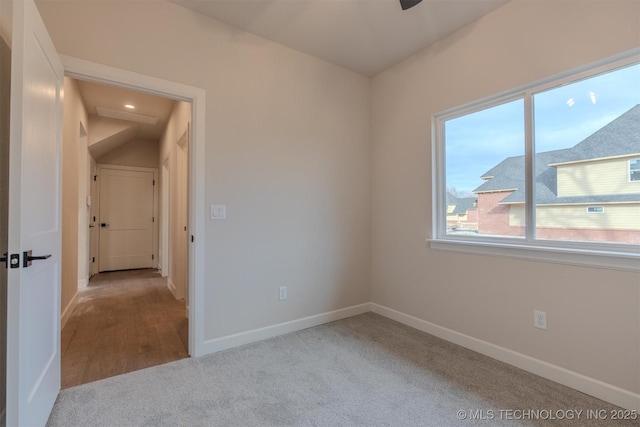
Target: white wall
(593, 314)
(287, 152)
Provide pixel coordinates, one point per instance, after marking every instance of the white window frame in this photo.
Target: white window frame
(629, 175)
(595, 209)
(592, 254)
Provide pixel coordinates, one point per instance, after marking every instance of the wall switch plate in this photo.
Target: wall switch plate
(218, 212)
(283, 293)
(540, 319)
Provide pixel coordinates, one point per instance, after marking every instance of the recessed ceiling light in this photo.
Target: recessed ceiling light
(129, 106)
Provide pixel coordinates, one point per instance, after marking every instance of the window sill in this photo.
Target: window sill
(626, 261)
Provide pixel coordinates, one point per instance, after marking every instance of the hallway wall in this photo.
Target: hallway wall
(177, 127)
(139, 153)
(74, 115)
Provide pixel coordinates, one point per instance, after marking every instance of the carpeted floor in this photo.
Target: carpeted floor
(362, 371)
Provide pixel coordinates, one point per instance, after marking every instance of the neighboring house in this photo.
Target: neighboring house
(590, 192)
(462, 212)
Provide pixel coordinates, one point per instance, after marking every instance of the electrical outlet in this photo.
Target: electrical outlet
(283, 293)
(540, 319)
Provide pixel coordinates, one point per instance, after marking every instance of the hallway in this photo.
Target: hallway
(123, 321)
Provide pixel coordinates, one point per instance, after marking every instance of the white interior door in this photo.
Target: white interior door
(33, 323)
(126, 219)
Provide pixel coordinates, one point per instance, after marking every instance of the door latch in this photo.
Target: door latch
(12, 261)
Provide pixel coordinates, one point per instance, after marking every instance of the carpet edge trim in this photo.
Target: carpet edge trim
(588, 385)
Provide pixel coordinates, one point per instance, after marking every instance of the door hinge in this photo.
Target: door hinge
(192, 238)
(154, 182)
(153, 219)
(153, 256)
(93, 259)
(95, 177)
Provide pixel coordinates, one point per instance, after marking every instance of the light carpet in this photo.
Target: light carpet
(361, 371)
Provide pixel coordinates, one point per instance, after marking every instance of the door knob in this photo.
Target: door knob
(27, 258)
(104, 225)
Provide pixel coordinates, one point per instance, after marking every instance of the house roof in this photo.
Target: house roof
(462, 204)
(619, 137)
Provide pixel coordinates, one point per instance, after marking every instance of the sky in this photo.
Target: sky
(563, 117)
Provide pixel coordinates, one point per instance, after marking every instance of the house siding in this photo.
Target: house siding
(596, 177)
(614, 217)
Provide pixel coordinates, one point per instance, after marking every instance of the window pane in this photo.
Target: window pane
(634, 170)
(485, 172)
(587, 139)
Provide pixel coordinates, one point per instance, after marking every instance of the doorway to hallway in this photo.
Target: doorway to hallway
(111, 321)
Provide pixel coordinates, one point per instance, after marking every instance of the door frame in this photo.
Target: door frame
(163, 260)
(85, 70)
(100, 167)
(93, 217)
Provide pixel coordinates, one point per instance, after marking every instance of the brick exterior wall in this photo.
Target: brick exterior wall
(590, 235)
(493, 218)
(472, 217)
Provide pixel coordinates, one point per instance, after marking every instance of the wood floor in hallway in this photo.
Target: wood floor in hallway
(123, 321)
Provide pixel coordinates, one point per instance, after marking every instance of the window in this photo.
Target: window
(527, 168)
(634, 170)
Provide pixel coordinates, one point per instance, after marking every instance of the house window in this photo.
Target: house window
(634, 170)
(522, 166)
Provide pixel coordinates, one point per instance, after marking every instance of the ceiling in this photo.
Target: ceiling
(366, 36)
(149, 117)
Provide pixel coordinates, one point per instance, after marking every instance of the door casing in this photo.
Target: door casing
(90, 71)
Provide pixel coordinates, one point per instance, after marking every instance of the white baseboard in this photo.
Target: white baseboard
(163, 271)
(83, 283)
(583, 383)
(66, 313)
(230, 341)
(171, 287)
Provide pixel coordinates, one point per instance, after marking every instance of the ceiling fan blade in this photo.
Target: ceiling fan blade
(406, 4)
